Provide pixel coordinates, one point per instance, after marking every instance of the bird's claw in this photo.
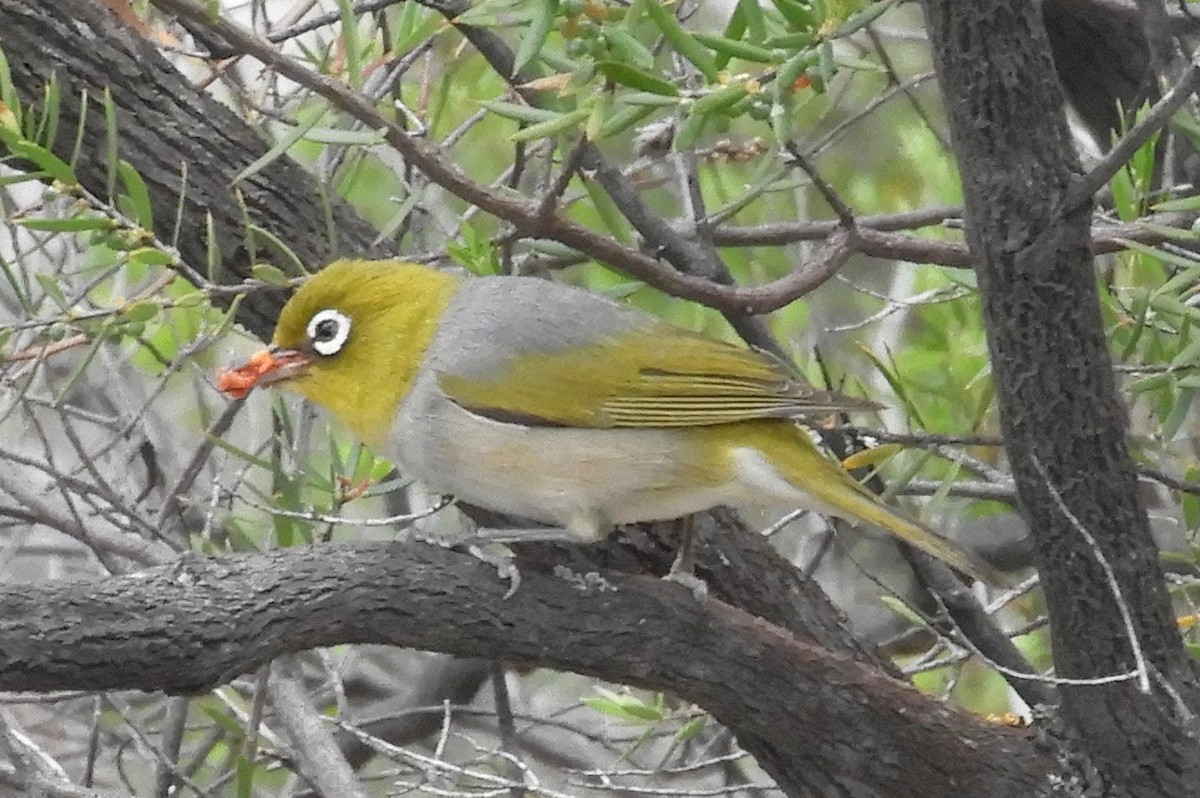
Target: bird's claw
(505, 568)
(690, 581)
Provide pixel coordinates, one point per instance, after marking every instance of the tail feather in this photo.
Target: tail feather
(805, 470)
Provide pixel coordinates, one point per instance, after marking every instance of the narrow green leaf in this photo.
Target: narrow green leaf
(278, 149)
(1181, 204)
(351, 44)
(75, 224)
(739, 49)
(798, 15)
(791, 69)
(1187, 386)
(80, 128)
(8, 96)
(534, 40)
(140, 311)
(610, 215)
(52, 289)
(520, 112)
(599, 111)
(756, 25)
(862, 18)
(623, 119)
(693, 727)
(22, 177)
(684, 43)
(212, 253)
(267, 273)
(624, 46)
(716, 101)
(45, 160)
(552, 127)
(139, 195)
(359, 138)
(647, 98)
(410, 32)
(110, 138)
(904, 611)
(48, 126)
(150, 256)
(689, 132)
(278, 244)
(636, 78)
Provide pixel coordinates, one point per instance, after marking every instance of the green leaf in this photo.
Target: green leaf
(689, 132)
(863, 18)
(1181, 204)
(267, 273)
(534, 40)
(625, 47)
(626, 707)
(716, 101)
(740, 49)
(798, 15)
(692, 728)
(110, 139)
(352, 47)
(75, 224)
(644, 98)
(279, 245)
(150, 256)
(140, 311)
(755, 22)
(684, 43)
(552, 127)
(623, 119)
(520, 111)
(636, 78)
(360, 138)
(43, 159)
(415, 26)
(139, 195)
(278, 149)
(904, 611)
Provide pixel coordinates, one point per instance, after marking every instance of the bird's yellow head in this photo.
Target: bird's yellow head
(352, 339)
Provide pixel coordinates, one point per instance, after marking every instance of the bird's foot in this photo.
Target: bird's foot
(683, 569)
(689, 580)
(504, 565)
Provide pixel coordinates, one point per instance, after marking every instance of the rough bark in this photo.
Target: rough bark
(188, 626)
(1058, 404)
(164, 126)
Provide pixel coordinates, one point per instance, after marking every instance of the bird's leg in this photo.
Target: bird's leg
(475, 537)
(683, 569)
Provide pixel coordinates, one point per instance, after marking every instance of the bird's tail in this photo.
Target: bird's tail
(805, 476)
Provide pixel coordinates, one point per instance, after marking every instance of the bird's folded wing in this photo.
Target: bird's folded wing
(662, 377)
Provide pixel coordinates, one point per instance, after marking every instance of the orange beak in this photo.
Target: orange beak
(263, 368)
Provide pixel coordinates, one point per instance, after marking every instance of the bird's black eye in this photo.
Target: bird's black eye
(328, 330)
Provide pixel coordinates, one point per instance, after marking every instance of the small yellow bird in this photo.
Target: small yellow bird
(550, 403)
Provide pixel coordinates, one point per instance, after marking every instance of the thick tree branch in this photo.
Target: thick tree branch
(191, 625)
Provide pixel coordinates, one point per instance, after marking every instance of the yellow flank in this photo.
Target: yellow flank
(394, 309)
(657, 376)
(798, 461)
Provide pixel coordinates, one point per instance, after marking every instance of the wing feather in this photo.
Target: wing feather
(658, 377)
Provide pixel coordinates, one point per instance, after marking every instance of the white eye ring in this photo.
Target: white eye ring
(328, 330)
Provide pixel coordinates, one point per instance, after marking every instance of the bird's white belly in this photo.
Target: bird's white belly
(582, 479)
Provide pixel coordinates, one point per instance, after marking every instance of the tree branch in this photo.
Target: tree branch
(189, 626)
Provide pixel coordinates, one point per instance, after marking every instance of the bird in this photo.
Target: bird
(551, 403)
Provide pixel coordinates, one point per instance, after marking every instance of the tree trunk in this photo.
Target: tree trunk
(1063, 424)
